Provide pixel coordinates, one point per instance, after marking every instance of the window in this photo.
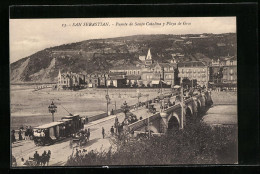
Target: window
(137, 72)
(182, 70)
(231, 77)
(231, 62)
(170, 76)
(130, 72)
(194, 70)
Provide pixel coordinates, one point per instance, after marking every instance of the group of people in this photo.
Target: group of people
(43, 159)
(28, 134)
(38, 160)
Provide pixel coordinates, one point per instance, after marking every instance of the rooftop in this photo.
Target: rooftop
(125, 67)
(192, 64)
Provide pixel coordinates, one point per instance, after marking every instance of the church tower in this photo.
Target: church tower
(149, 60)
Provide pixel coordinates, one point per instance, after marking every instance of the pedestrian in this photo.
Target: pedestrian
(112, 131)
(116, 120)
(77, 153)
(30, 132)
(141, 117)
(26, 133)
(20, 135)
(88, 134)
(36, 157)
(48, 157)
(103, 132)
(13, 136)
(22, 162)
(44, 158)
(112, 112)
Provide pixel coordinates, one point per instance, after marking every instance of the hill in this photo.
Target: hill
(103, 54)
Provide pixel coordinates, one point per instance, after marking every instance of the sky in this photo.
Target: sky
(27, 36)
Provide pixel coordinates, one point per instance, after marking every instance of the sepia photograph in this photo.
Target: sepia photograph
(123, 91)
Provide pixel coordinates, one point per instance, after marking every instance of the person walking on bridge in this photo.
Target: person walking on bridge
(88, 134)
(112, 131)
(103, 132)
(20, 135)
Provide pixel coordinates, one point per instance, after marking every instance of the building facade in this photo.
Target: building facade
(194, 70)
(69, 80)
(230, 71)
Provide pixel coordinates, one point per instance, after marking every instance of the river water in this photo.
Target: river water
(221, 115)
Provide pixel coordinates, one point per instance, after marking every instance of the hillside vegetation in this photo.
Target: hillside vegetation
(102, 54)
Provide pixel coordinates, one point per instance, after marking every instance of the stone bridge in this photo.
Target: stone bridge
(171, 117)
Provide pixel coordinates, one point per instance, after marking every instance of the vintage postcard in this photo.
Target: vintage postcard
(123, 91)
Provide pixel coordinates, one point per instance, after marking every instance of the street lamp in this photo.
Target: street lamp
(108, 100)
(138, 96)
(52, 109)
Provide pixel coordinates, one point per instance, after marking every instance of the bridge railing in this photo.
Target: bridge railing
(134, 126)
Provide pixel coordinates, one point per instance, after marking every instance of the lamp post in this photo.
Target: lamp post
(52, 109)
(108, 99)
(138, 96)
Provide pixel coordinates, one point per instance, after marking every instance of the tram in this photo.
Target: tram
(50, 133)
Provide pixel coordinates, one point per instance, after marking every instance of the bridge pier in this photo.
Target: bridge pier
(164, 117)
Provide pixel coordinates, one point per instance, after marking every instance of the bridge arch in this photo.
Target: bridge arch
(153, 129)
(188, 114)
(173, 122)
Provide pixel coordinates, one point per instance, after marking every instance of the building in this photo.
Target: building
(224, 70)
(116, 79)
(230, 71)
(96, 79)
(128, 69)
(92, 80)
(154, 72)
(69, 80)
(134, 81)
(194, 70)
(151, 75)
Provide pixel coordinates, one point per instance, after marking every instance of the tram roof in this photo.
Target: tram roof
(66, 119)
(48, 125)
(71, 116)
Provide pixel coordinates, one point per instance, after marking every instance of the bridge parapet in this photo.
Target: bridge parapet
(144, 122)
(172, 116)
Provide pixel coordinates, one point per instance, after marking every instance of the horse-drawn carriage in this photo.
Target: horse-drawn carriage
(79, 139)
(151, 108)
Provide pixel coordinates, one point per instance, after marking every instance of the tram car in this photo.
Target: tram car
(50, 133)
(47, 134)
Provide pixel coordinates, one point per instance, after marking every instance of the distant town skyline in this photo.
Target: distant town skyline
(28, 36)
